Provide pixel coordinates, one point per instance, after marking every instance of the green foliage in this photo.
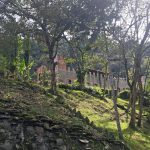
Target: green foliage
(148, 86)
(146, 102)
(45, 77)
(95, 91)
(106, 92)
(124, 94)
(22, 63)
(19, 63)
(70, 60)
(3, 65)
(27, 49)
(148, 117)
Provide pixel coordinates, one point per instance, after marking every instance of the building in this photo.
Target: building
(67, 75)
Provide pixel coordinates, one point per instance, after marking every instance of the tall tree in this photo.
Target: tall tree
(50, 19)
(132, 34)
(82, 36)
(80, 46)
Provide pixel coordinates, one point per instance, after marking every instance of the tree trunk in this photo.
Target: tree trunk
(105, 76)
(140, 103)
(130, 102)
(129, 105)
(115, 107)
(136, 77)
(117, 117)
(134, 96)
(147, 74)
(53, 76)
(81, 77)
(50, 45)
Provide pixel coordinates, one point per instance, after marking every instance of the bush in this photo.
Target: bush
(148, 117)
(92, 91)
(146, 102)
(107, 92)
(124, 94)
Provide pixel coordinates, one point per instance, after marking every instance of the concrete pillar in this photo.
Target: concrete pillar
(96, 78)
(102, 80)
(93, 78)
(90, 78)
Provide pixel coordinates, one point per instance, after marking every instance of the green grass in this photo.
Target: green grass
(99, 111)
(102, 114)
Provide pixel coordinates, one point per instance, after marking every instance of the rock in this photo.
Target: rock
(59, 142)
(39, 130)
(22, 136)
(46, 125)
(43, 147)
(40, 139)
(107, 147)
(2, 131)
(30, 130)
(49, 135)
(17, 146)
(63, 147)
(6, 146)
(29, 134)
(6, 125)
(84, 141)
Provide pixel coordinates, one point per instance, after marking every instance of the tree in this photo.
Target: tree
(80, 46)
(48, 19)
(114, 88)
(82, 37)
(107, 50)
(131, 41)
(8, 37)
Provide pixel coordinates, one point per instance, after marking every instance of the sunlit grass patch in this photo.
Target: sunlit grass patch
(101, 113)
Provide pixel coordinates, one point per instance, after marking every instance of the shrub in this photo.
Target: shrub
(124, 94)
(148, 117)
(107, 92)
(92, 91)
(146, 102)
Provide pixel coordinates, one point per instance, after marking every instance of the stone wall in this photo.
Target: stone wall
(40, 133)
(97, 78)
(68, 75)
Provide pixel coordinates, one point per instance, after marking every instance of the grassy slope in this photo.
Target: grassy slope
(33, 102)
(102, 114)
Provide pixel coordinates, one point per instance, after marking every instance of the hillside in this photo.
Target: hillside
(32, 118)
(101, 113)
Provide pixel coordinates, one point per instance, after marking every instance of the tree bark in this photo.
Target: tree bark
(53, 76)
(140, 103)
(105, 77)
(134, 90)
(52, 64)
(81, 77)
(115, 107)
(133, 104)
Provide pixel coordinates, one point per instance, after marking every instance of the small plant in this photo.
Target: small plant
(124, 94)
(22, 63)
(3, 65)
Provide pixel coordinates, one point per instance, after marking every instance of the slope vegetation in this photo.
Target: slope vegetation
(33, 119)
(101, 113)
(72, 120)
